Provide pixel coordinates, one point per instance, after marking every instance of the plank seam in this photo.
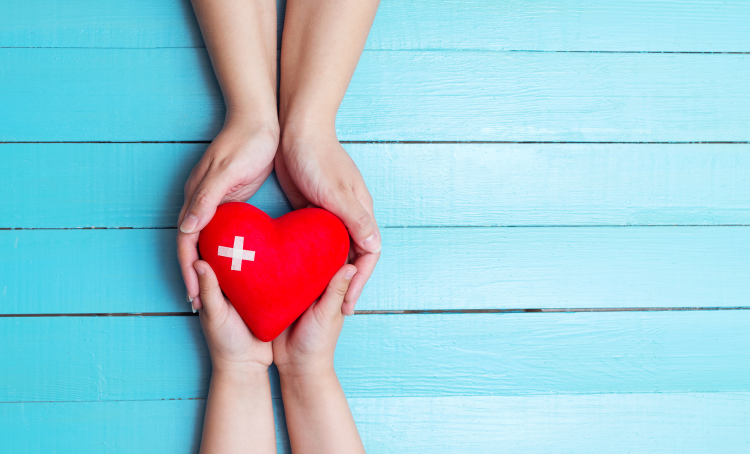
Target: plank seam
(513, 226)
(436, 142)
(423, 50)
(417, 311)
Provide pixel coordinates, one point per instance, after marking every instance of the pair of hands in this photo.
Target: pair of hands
(313, 169)
(304, 348)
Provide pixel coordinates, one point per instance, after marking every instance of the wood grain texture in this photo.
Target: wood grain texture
(602, 423)
(143, 358)
(562, 25)
(141, 185)
(113, 271)
(171, 95)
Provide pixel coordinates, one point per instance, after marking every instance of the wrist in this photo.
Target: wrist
(252, 122)
(306, 381)
(238, 370)
(306, 372)
(300, 138)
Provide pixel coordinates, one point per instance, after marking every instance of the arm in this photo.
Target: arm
(239, 411)
(321, 45)
(317, 414)
(240, 36)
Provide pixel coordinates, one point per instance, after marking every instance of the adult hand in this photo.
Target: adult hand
(233, 347)
(232, 169)
(315, 169)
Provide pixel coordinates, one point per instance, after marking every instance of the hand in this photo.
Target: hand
(232, 169)
(307, 346)
(232, 345)
(315, 169)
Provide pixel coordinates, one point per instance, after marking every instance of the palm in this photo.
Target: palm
(301, 339)
(233, 341)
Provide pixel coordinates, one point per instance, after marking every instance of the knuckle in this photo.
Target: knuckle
(340, 290)
(362, 221)
(341, 185)
(202, 197)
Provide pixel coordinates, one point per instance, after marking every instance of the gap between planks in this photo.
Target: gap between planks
(458, 226)
(430, 49)
(415, 312)
(410, 142)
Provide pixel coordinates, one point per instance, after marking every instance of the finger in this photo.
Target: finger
(207, 197)
(333, 297)
(290, 189)
(194, 180)
(365, 264)
(359, 222)
(187, 255)
(210, 293)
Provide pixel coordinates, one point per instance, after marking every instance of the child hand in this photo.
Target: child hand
(233, 347)
(232, 169)
(307, 346)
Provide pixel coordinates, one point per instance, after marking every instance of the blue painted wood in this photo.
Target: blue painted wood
(677, 423)
(109, 95)
(562, 25)
(104, 185)
(567, 25)
(171, 94)
(146, 358)
(104, 271)
(420, 383)
(140, 185)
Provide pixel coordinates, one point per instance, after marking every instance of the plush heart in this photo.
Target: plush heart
(272, 270)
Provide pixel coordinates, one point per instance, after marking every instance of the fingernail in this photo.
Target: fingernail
(371, 243)
(200, 270)
(349, 274)
(193, 307)
(189, 299)
(189, 223)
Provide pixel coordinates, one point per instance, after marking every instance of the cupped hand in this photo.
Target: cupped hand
(308, 345)
(232, 169)
(231, 343)
(314, 169)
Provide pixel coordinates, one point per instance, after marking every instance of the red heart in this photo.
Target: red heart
(273, 269)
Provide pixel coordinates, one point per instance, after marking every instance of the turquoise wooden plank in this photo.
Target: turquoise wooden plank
(603, 423)
(104, 185)
(109, 95)
(171, 95)
(137, 358)
(125, 426)
(540, 96)
(563, 25)
(105, 23)
(141, 185)
(115, 271)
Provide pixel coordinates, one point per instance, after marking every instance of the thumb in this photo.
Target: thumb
(210, 292)
(333, 297)
(207, 197)
(359, 222)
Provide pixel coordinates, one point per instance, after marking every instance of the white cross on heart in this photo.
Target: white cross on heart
(237, 253)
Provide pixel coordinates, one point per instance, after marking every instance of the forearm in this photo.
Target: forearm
(240, 36)
(239, 414)
(322, 43)
(318, 416)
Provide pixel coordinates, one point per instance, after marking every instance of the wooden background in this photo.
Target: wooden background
(564, 194)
